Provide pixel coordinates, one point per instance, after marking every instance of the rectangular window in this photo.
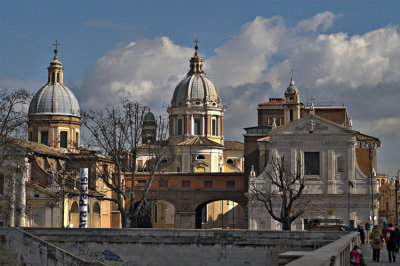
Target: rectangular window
(155, 213)
(340, 164)
(185, 183)
(30, 136)
(387, 206)
(2, 183)
(76, 139)
(311, 163)
(141, 183)
(180, 127)
(213, 127)
(163, 183)
(230, 184)
(63, 139)
(197, 126)
(44, 137)
(208, 184)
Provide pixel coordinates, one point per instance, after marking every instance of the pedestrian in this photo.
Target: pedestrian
(362, 233)
(376, 237)
(391, 242)
(355, 255)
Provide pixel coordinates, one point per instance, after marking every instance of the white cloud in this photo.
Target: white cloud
(146, 70)
(321, 21)
(360, 70)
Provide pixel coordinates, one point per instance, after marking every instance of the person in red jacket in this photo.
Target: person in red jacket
(355, 255)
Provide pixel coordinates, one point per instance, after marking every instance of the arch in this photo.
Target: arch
(74, 215)
(219, 213)
(96, 216)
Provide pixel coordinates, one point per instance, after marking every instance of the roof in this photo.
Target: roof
(233, 145)
(362, 137)
(272, 101)
(54, 99)
(35, 147)
(199, 141)
(149, 116)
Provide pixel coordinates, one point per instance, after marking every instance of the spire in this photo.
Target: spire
(196, 63)
(55, 76)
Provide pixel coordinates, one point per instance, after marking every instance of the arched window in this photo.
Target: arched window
(229, 161)
(200, 157)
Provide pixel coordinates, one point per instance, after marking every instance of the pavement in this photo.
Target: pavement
(366, 250)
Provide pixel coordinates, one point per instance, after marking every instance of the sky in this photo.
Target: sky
(346, 52)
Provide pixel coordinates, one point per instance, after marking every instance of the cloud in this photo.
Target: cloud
(146, 70)
(358, 70)
(321, 21)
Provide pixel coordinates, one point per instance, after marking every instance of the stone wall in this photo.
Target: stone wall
(182, 247)
(33, 251)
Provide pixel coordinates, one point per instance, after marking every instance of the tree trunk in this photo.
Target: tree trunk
(287, 225)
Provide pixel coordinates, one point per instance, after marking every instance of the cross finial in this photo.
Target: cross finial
(196, 41)
(56, 44)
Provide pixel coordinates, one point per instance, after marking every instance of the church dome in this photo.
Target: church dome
(54, 98)
(149, 117)
(292, 88)
(196, 88)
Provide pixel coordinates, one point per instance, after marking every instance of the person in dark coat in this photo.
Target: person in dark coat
(391, 242)
(396, 227)
(362, 234)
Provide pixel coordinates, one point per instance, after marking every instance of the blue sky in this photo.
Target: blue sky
(345, 51)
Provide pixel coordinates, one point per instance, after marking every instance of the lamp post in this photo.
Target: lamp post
(348, 202)
(371, 146)
(396, 180)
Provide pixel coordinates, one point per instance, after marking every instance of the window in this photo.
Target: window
(229, 161)
(30, 136)
(214, 127)
(178, 169)
(200, 157)
(141, 183)
(76, 139)
(340, 164)
(58, 77)
(44, 137)
(63, 139)
(291, 115)
(155, 212)
(163, 183)
(180, 127)
(311, 163)
(185, 183)
(230, 184)
(197, 126)
(208, 184)
(2, 183)
(387, 206)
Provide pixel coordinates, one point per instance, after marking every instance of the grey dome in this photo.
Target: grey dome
(196, 88)
(292, 88)
(54, 99)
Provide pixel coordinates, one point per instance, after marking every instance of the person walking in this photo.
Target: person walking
(362, 233)
(391, 242)
(376, 237)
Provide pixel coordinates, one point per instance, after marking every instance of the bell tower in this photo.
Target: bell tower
(292, 103)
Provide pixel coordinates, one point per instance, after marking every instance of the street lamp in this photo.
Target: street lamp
(348, 202)
(371, 146)
(396, 180)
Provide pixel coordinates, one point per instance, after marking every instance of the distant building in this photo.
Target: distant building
(330, 152)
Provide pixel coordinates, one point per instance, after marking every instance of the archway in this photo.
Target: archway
(163, 214)
(96, 218)
(226, 214)
(74, 215)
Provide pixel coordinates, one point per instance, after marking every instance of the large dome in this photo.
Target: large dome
(54, 99)
(196, 89)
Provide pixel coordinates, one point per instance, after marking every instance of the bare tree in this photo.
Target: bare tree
(116, 132)
(281, 191)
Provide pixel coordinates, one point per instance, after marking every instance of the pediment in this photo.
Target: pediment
(312, 124)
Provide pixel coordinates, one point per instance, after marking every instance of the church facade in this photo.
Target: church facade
(336, 161)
